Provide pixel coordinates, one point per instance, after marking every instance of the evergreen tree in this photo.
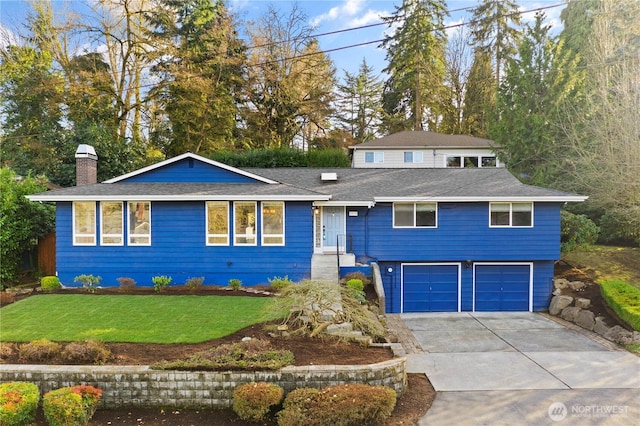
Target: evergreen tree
(415, 96)
(480, 96)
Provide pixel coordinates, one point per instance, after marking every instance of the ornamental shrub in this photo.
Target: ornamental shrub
(126, 283)
(353, 404)
(87, 352)
(235, 284)
(39, 351)
(18, 403)
(89, 282)
(160, 282)
(356, 287)
(621, 225)
(624, 299)
(71, 406)
(278, 283)
(194, 283)
(252, 401)
(576, 230)
(6, 298)
(50, 283)
(358, 276)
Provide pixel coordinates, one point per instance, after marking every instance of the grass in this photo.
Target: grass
(608, 263)
(133, 319)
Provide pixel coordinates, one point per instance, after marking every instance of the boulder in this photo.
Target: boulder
(583, 303)
(560, 283)
(600, 326)
(619, 335)
(570, 313)
(577, 285)
(557, 292)
(558, 303)
(585, 319)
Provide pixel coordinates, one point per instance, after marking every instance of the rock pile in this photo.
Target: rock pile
(576, 310)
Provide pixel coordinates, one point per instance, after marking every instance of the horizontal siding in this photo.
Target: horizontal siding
(190, 170)
(178, 249)
(394, 158)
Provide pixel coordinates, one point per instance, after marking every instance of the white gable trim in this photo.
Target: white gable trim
(444, 199)
(195, 157)
(189, 197)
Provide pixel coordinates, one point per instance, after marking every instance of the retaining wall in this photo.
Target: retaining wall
(139, 386)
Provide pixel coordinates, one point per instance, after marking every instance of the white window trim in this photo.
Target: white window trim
(511, 225)
(255, 231)
(73, 225)
(414, 226)
(414, 154)
(129, 234)
(264, 235)
(206, 222)
(104, 235)
(378, 157)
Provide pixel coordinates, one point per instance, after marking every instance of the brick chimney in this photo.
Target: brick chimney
(86, 165)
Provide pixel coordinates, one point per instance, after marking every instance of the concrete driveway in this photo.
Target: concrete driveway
(521, 369)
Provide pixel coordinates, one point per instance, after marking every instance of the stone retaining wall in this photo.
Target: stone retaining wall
(139, 386)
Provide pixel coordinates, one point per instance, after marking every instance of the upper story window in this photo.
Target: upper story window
(511, 214)
(244, 216)
(139, 223)
(413, 157)
(272, 223)
(217, 223)
(374, 157)
(111, 223)
(471, 161)
(415, 215)
(488, 161)
(84, 223)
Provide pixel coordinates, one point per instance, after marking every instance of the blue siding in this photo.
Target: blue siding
(189, 170)
(178, 249)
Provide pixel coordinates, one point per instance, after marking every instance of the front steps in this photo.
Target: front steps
(324, 267)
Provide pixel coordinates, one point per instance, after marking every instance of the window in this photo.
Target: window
(415, 215)
(489, 162)
(471, 162)
(244, 223)
(273, 223)
(84, 223)
(374, 157)
(139, 223)
(413, 157)
(454, 161)
(111, 224)
(511, 214)
(217, 223)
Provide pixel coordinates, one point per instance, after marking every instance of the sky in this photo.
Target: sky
(323, 15)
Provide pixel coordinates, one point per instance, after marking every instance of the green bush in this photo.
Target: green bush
(126, 283)
(621, 225)
(87, 352)
(353, 404)
(194, 283)
(252, 401)
(278, 283)
(39, 351)
(356, 287)
(18, 403)
(71, 406)
(161, 282)
(624, 299)
(576, 230)
(235, 284)
(89, 282)
(358, 276)
(50, 283)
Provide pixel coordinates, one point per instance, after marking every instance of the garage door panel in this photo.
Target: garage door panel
(430, 288)
(502, 287)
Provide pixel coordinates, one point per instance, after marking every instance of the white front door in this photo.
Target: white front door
(333, 229)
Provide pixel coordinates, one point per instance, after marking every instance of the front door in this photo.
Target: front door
(333, 230)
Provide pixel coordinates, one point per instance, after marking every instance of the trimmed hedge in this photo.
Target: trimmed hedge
(624, 299)
(346, 405)
(50, 283)
(253, 401)
(18, 403)
(71, 406)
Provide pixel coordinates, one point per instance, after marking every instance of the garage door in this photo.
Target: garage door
(502, 287)
(430, 288)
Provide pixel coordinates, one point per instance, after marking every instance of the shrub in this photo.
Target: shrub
(71, 405)
(194, 283)
(160, 282)
(89, 282)
(18, 403)
(624, 299)
(252, 401)
(126, 283)
(50, 283)
(353, 404)
(6, 298)
(358, 276)
(87, 352)
(576, 230)
(235, 284)
(39, 351)
(357, 289)
(278, 283)
(6, 351)
(621, 225)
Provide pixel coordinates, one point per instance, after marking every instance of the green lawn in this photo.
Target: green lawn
(136, 319)
(608, 262)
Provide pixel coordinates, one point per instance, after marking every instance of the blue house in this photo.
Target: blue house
(444, 239)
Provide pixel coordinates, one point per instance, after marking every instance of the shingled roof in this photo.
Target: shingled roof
(421, 139)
